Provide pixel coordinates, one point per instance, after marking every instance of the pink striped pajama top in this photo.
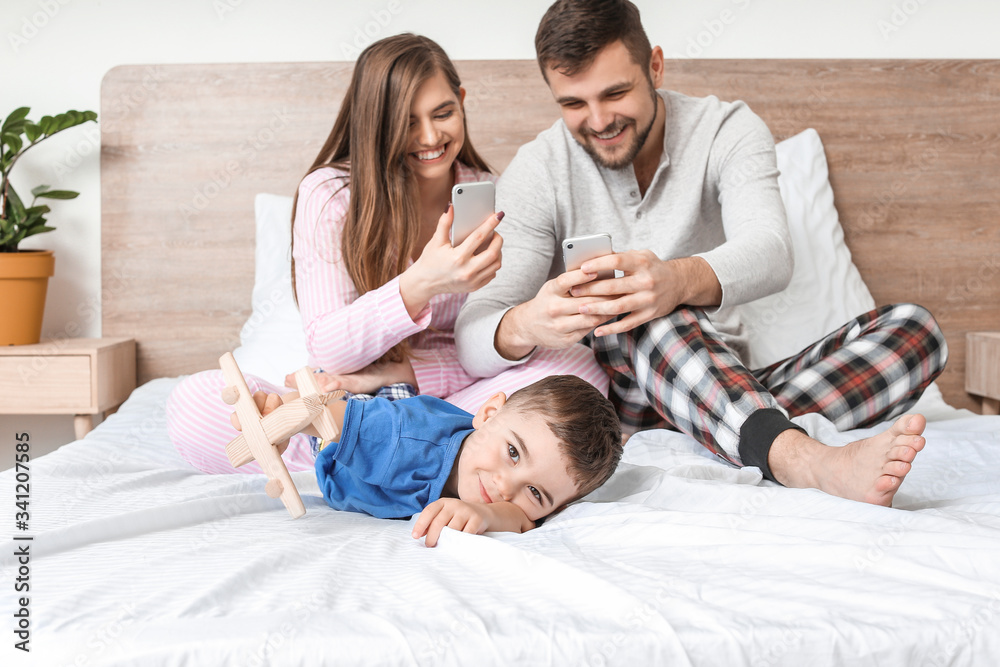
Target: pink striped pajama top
(345, 332)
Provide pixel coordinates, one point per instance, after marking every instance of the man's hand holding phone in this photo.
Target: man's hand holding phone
(650, 288)
(555, 318)
(552, 319)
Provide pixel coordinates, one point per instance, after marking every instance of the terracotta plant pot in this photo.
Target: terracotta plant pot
(24, 279)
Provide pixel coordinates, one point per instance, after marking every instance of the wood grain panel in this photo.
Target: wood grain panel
(983, 376)
(33, 385)
(913, 147)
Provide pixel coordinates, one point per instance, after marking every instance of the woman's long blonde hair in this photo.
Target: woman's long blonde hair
(369, 140)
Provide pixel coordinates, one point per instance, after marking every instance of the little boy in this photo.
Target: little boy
(514, 462)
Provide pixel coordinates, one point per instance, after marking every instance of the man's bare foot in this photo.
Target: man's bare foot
(868, 470)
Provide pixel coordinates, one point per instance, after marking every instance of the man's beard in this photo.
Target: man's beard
(633, 150)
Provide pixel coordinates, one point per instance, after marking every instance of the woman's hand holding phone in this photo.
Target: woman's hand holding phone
(443, 269)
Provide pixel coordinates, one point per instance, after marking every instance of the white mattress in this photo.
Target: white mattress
(680, 559)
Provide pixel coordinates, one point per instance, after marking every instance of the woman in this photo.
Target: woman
(376, 279)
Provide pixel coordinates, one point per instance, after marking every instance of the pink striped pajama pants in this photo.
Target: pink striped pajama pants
(199, 427)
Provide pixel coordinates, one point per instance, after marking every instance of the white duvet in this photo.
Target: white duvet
(139, 560)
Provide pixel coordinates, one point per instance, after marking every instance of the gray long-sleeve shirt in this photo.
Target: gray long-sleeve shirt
(714, 195)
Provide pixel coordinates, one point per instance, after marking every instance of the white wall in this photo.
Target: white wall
(54, 53)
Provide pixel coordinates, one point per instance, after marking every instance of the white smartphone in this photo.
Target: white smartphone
(579, 249)
(473, 202)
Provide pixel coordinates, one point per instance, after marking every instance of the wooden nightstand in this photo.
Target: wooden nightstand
(982, 368)
(70, 376)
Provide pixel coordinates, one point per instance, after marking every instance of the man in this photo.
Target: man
(687, 188)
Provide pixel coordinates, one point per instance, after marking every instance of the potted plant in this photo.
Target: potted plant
(24, 274)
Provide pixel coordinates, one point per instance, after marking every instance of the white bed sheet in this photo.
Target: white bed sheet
(679, 559)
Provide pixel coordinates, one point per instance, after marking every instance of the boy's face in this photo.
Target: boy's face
(513, 456)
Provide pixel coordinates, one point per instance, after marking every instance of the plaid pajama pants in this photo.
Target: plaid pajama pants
(675, 372)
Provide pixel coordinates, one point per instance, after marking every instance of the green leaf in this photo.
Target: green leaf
(15, 128)
(16, 213)
(35, 217)
(32, 131)
(57, 123)
(57, 194)
(15, 116)
(40, 189)
(64, 121)
(12, 140)
(37, 230)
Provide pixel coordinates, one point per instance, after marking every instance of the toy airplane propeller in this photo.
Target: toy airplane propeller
(260, 435)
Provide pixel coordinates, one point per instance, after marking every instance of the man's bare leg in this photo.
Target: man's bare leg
(868, 470)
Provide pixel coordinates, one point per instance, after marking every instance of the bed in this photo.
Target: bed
(679, 559)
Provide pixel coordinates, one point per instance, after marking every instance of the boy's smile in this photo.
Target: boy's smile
(512, 456)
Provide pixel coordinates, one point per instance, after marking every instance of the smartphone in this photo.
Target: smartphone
(579, 249)
(473, 202)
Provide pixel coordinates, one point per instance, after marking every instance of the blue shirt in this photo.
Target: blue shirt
(393, 457)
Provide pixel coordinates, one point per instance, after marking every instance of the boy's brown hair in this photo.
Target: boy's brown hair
(573, 31)
(584, 422)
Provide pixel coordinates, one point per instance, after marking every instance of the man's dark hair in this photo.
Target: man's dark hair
(573, 31)
(584, 422)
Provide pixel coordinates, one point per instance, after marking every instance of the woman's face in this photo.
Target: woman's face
(436, 129)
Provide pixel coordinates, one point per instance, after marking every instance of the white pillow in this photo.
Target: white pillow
(826, 289)
(272, 342)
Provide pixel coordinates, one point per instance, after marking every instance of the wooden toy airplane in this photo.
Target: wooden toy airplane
(260, 435)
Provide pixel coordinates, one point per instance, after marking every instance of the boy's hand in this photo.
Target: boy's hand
(451, 512)
(266, 403)
(474, 518)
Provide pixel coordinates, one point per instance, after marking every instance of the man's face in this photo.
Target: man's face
(609, 107)
(514, 456)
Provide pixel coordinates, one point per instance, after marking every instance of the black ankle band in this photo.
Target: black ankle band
(757, 435)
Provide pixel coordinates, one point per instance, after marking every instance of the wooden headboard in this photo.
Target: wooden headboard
(912, 146)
